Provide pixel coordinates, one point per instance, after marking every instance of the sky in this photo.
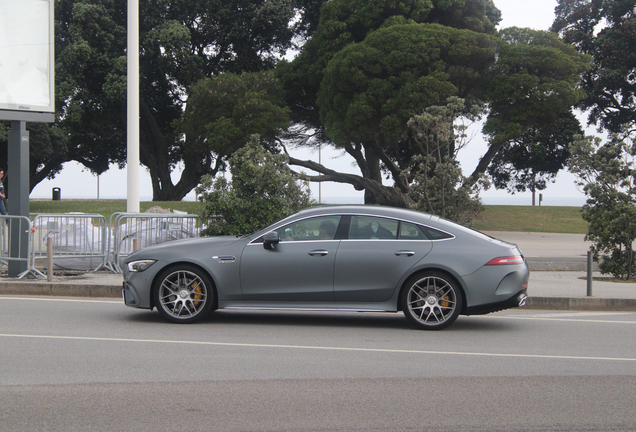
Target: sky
(76, 182)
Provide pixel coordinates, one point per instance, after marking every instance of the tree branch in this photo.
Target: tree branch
(387, 195)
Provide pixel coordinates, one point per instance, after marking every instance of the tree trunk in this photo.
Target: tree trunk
(373, 172)
(155, 155)
(534, 190)
(482, 166)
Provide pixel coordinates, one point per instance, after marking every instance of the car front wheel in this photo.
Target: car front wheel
(431, 301)
(183, 294)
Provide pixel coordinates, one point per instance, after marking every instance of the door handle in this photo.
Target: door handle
(405, 253)
(318, 252)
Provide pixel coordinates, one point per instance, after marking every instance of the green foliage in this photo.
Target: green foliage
(606, 30)
(439, 188)
(533, 160)
(90, 81)
(608, 174)
(263, 190)
(371, 88)
(345, 22)
(534, 82)
(437, 184)
(224, 111)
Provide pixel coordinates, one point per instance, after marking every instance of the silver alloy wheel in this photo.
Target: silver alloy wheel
(432, 302)
(182, 295)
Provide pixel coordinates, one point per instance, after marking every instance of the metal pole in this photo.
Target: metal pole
(132, 163)
(49, 259)
(18, 163)
(589, 273)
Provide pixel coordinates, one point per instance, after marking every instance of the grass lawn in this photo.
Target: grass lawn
(532, 219)
(493, 218)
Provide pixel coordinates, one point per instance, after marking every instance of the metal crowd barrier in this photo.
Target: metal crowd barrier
(79, 241)
(85, 241)
(147, 229)
(14, 245)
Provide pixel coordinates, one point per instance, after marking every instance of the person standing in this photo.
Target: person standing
(2, 194)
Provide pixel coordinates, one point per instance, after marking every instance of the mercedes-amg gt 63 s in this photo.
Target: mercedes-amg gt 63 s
(340, 258)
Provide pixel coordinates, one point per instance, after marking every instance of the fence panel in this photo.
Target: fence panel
(79, 240)
(14, 246)
(148, 229)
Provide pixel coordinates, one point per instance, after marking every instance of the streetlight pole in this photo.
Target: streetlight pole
(132, 130)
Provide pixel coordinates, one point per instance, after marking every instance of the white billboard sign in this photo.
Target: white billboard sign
(27, 56)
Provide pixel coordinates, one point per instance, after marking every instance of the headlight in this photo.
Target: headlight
(139, 266)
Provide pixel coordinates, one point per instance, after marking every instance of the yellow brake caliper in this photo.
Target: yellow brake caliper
(197, 288)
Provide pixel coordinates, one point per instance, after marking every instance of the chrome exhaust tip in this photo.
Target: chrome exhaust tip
(522, 299)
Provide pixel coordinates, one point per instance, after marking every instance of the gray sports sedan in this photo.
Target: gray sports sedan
(340, 258)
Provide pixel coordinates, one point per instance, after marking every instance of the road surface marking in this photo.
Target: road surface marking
(320, 348)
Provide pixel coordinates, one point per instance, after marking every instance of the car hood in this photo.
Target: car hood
(186, 245)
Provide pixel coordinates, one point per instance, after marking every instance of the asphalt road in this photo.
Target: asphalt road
(91, 365)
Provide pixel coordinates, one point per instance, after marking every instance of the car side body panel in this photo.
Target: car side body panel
(289, 272)
(371, 270)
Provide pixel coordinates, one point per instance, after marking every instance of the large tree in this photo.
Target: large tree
(371, 90)
(182, 41)
(606, 30)
(372, 65)
(534, 83)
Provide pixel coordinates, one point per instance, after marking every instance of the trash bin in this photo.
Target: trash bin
(57, 194)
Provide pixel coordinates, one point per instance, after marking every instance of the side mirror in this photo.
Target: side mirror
(270, 239)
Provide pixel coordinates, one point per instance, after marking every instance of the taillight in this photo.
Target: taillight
(507, 260)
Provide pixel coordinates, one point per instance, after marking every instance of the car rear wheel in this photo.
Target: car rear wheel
(431, 301)
(183, 294)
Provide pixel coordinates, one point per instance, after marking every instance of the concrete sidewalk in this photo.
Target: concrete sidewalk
(557, 278)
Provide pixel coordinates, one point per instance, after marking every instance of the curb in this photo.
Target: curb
(60, 290)
(554, 265)
(581, 304)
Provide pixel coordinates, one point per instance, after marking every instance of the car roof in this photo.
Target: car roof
(375, 210)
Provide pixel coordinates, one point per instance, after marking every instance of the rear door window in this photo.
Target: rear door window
(372, 228)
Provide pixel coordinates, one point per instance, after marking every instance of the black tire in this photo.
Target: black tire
(183, 294)
(431, 300)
